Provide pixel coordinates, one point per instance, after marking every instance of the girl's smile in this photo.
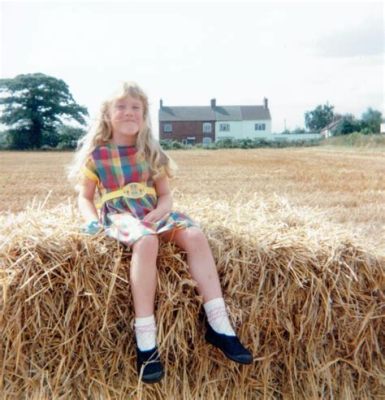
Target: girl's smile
(126, 117)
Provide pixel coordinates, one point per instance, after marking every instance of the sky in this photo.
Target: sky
(296, 54)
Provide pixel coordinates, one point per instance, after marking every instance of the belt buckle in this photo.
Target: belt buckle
(134, 190)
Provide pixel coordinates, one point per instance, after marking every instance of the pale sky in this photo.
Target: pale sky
(297, 54)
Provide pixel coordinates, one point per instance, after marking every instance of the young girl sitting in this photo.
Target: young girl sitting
(120, 158)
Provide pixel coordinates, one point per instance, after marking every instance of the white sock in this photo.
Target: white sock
(145, 332)
(218, 317)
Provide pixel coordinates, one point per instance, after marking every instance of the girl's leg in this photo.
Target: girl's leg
(203, 270)
(200, 260)
(143, 272)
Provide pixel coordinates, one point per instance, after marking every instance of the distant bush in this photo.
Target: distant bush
(261, 143)
(65, 146)
(229, 143)
(357, 139)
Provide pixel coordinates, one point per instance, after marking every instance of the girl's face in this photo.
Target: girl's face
(126, 117)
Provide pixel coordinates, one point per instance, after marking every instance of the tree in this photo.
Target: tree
(320, 117)
(33, 105)
(69, 136)
(348, 125)
(371, 121)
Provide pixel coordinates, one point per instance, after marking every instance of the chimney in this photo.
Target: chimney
(265, 103)
(161, 103)
(213, 103)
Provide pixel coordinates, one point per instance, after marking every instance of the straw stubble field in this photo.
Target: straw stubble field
(347, 186)
(298, 237)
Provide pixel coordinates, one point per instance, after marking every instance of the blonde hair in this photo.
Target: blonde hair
(100, 133)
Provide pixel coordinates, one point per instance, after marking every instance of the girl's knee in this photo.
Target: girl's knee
(193, 237)
(146, 244)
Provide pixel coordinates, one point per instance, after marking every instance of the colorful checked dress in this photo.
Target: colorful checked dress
(112, 167)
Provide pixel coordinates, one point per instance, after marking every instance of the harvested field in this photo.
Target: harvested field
(300, 262)
(347, 185)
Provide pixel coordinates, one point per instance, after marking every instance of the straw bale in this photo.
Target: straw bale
(305, 296)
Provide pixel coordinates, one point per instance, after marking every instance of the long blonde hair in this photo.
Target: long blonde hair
(101, 133)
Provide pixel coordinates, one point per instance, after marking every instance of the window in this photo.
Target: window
(224, 127)
(260, 127)
(206, 127)
(167, 127)
(190, 140)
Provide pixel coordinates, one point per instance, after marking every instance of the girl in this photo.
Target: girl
(123, 161)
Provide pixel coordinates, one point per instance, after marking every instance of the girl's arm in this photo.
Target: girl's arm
(164, 203)
(86, 200)
(163, 192)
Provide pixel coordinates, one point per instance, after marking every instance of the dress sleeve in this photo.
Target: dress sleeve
(161, 172)
(89, 170)
(162, 166)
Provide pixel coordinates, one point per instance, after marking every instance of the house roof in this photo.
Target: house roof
(332, 124)
(218, 113)
(194, 113)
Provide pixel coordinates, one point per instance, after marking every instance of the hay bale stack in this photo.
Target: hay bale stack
(305, 297)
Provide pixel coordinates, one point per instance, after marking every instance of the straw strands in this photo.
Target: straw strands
(304, 295)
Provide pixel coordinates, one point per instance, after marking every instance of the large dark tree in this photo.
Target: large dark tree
(320, 117)
(348, 125)
(371, 121)
(33, 108)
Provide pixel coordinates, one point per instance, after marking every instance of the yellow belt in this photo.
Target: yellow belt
(133, 190)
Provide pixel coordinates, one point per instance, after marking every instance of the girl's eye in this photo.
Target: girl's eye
(123, 107)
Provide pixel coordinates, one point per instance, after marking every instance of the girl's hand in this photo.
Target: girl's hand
(154, 215)
(92, 228)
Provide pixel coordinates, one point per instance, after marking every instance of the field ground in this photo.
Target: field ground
(346, 184)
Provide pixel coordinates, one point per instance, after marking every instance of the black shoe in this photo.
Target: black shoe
(152, 367)
(229, 345)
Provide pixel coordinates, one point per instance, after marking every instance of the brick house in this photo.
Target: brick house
(206, 124)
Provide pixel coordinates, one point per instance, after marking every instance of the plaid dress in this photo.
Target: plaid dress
(112, 167)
